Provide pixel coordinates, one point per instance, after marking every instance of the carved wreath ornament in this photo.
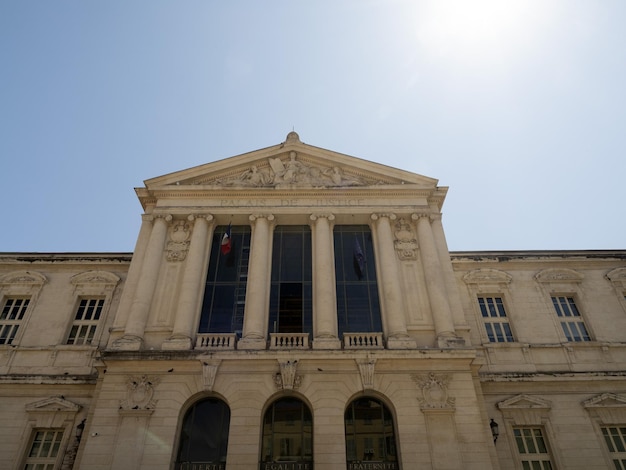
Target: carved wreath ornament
(434, 390)
(140, 393)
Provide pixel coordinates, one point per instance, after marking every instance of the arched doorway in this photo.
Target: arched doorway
(204, 436)
(287, 435)
(370, 435)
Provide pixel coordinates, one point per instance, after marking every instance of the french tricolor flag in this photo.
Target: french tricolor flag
(226, 241)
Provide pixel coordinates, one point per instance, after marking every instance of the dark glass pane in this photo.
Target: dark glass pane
(225, 290)
(287, 432)
(369, 431)
(204, 435)
(358, 308)
(290, 291)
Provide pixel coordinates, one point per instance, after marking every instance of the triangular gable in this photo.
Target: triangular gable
(289, 165)
(53, 404)
(607, 408)
(606, 400)
(524, 402)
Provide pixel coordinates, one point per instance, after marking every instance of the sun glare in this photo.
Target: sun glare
(475, 29)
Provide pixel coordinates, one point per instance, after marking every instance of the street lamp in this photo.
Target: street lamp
(495, 432)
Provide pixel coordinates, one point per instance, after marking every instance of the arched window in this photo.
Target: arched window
(287, 434)
(204, 435)
(370, 433)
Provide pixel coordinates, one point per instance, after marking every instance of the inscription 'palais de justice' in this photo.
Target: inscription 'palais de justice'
(291, 202)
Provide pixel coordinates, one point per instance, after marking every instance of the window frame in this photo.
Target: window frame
(570, 320)
(21, 284)
(91, 285)
(92, 325)
(491, 320)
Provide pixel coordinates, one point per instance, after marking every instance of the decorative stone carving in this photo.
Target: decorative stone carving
(558, 275)
(434, 389)
(366, 368)
(287, 379)
(140, 393)
(209, 372)
(23, 277)
(405, 242)
(291, 173)
(487, 276)
(178, 244)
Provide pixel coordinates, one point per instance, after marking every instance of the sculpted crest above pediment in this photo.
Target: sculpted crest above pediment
(277, 172)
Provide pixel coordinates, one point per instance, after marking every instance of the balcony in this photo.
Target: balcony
(289, 341)
(363, 341)
(216, 341)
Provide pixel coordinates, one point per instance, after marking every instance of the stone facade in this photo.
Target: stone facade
(534, 341)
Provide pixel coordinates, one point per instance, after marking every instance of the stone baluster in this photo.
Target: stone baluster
(258, 289)
(435, 283)
(391, 292)
(140, 309)
(324, 291)
(191, 285)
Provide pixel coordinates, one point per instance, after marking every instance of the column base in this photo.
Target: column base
(402, 342)
(252, 343)
(177, 344)
(127, 343)
(326, 343)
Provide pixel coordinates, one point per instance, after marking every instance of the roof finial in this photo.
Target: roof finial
(293, 137)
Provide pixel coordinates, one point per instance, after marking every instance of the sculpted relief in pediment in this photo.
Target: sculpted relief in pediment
(277, 173)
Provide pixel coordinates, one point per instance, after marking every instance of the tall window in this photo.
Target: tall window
(290, 295)
(615, 438)
(571, 321)
(358, 306)
(495, 319)
(225, 290)
(11, 318)
(287, 434)
(370, 433)
(85, 321)
(532, 448)
(204, 436)
(44, 449)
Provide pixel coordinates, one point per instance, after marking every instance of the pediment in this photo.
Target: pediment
(524, 402)
(53, 404)
(558, 275)
(606, 400)
(289, 165)
(487, 276)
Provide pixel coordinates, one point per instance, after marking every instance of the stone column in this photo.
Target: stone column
(391, 292)
(435, 283)
(134, 273)
(191, 286)
(258, 289)
(324, 291)
(140, 309)
(446, 263)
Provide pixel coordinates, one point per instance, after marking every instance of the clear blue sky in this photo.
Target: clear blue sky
(518, 106)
